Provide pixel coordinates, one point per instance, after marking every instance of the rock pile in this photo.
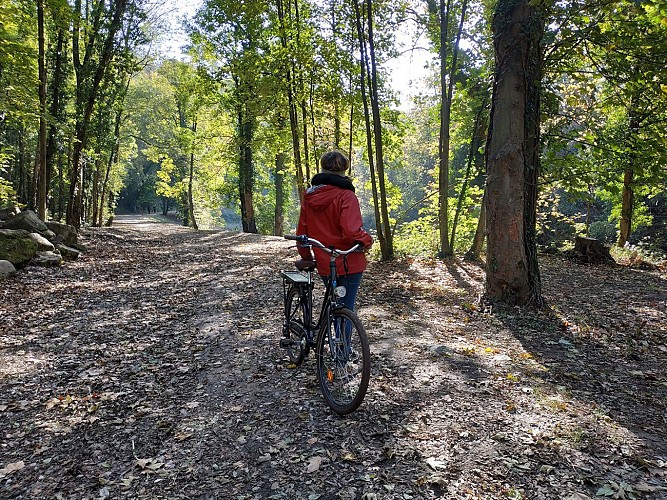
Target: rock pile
(26, 240)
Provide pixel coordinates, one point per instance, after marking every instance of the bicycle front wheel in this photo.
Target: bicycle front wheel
(343, 361)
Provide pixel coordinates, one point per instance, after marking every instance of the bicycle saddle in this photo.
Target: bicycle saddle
(305, 265)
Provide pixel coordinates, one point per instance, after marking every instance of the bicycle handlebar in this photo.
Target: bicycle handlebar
(306, 241)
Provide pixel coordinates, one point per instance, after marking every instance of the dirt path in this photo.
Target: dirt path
(150, 369)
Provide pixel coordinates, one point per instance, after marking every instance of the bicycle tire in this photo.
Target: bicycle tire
(343, 367)
(295, 316)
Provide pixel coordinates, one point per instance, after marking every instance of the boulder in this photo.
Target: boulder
(78, 246)
(27, 220)
(65, 231)
(50, 235)
(43, 245)
(47, 259)
(17, 247)
(8, 213)
(68, 253)
(7, 269)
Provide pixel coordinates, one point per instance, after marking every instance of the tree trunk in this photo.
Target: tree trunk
(191, 204)
(279, 217)
(291, 102)
(42, 181)
(627, 199)
(478, 241)
(113, 158)
(96, 184)
(55, 102)
(246, 174)
(475, 143)
(443, 140)
(304, 123)
(24, 191)
(388, 250)
(369, 131)
(512, 273)
(627, 195)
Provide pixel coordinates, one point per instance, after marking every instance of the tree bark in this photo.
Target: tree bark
(478, 241)
(191, 203)
(42, 181)
(627, 194)
(279, 216)
(367, 120)
(512, 274)
(55, 102)
(388, 250)
(246, 174)
(443, 139)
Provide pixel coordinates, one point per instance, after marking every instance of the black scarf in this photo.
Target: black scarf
(332, 180)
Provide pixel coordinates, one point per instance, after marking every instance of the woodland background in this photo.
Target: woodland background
(93, 120)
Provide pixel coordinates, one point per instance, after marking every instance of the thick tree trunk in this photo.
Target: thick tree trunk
(512, 156)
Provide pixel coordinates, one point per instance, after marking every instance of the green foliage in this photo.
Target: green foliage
(418, 237)
(7, 192)
(604, 231)
(555, 229)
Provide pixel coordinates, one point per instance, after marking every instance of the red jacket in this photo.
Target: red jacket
(331, 215)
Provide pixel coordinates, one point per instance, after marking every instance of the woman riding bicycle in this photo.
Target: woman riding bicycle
(330, 213)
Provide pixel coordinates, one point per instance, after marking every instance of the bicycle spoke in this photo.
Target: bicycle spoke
(343, 362)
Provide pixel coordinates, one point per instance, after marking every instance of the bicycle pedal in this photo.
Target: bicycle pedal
(286, 343)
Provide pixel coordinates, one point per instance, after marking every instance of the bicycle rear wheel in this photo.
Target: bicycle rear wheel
(343, 361)
(295, 324)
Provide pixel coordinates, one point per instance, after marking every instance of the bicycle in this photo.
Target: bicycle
(341, 346)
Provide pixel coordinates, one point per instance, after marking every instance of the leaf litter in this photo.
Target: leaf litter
(150, 368)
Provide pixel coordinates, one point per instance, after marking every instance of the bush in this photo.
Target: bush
(603, 230)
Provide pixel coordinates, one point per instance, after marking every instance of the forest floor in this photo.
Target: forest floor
(150, 368)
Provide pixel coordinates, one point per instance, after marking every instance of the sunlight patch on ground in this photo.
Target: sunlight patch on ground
(22, 363)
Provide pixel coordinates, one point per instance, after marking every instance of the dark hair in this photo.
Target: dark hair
(334, 161)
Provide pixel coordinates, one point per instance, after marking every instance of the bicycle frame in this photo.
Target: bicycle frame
(329, 302)
(306, 296)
